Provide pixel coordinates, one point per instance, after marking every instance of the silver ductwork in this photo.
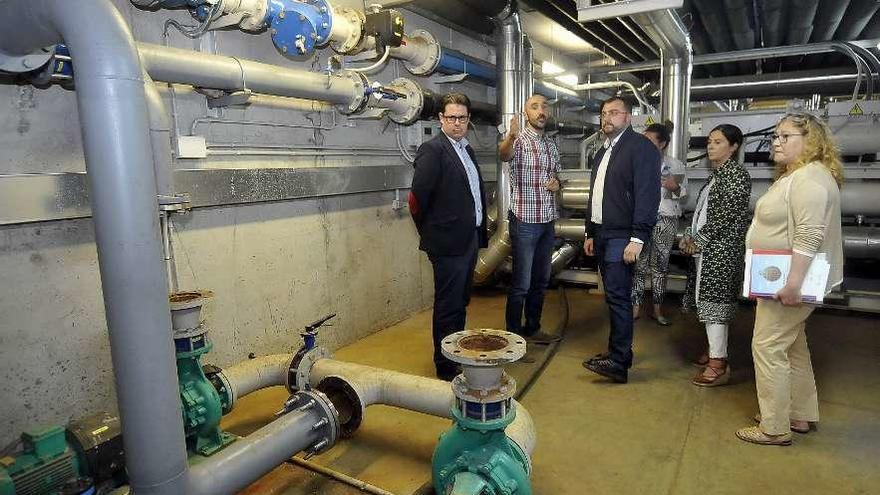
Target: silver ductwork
(666, 29)
(514, 68)
(570, 229)
(575, 194)
(563, 256)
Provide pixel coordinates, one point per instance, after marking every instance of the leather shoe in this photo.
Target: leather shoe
(609, 369)
(542, 338)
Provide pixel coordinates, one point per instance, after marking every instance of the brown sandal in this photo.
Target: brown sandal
(702, 361)
(713, 376)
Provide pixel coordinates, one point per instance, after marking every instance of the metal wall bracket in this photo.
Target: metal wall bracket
(240, 97)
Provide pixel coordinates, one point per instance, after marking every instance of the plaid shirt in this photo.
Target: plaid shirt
(535, 161)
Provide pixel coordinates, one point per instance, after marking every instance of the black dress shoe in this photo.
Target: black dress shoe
(609, 369)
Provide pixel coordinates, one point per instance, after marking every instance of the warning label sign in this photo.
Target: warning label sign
(856, 111)
(650, 120)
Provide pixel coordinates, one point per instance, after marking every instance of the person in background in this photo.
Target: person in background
(534, 165)
(448, 206)
(716, 240)
(801, 213)
(622, 211)
(654, 259)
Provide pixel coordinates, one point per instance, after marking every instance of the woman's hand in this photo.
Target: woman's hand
(687, 245)
(789, 295)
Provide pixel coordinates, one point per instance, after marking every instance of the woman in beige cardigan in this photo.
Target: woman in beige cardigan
(800, 212)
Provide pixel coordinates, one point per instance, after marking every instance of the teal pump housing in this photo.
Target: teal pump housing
(475, 456)
(202, 406)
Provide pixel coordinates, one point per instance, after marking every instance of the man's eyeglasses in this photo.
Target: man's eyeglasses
(783, 138)
(613, 113)
(461, 119)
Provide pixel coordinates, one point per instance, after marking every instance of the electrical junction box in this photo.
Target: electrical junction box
(386, 26)
(192, 147)
(854, 124)
(421, 131)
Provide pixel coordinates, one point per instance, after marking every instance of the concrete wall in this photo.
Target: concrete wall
(273, 266)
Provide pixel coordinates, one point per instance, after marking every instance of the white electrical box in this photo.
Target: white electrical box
(192, 147)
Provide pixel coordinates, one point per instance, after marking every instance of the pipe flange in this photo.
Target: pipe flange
(414, 97)
(502, 390)
(359, 102)
(329, 429)
(432, 58)
(26, 63)
(356, 19)
(347, 401)
(484, 347)
(301, 366)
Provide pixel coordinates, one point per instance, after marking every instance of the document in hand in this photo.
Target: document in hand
(767, 271)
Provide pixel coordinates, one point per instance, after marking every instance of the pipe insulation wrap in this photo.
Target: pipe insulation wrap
(116, 143)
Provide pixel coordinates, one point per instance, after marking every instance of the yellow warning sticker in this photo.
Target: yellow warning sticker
(651, 121)
(856, 111)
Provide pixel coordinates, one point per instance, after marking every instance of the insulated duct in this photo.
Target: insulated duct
(514, 67)
(116, 143)
(666, 29)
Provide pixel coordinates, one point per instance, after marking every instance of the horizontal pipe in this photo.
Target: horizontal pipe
(255, 374)
(562, 257)
(247, 459)
(206, 70)
(770, 85)
(571, 229)
(735, 56)
(575, 194)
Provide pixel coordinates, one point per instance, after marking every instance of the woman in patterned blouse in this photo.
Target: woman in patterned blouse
(716, 240)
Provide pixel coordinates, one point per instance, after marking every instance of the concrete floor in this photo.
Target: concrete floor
(658, 434)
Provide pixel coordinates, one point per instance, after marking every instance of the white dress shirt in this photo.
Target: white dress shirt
(473, 178)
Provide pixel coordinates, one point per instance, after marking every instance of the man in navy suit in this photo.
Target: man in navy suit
(624, 197)
(448, 206)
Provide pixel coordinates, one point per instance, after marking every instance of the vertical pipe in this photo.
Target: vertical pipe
(116, 142)
(514, 67)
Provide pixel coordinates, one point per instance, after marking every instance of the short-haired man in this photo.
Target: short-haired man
(621, 213)
(448, 206)
(534, 166)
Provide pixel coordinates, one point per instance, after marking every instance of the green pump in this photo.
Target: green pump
(475, 456)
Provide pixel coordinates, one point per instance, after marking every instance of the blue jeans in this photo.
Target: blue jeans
(532, 250)
(617, 277)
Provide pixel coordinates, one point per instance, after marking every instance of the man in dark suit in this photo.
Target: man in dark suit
(448, 206)
(624, 197)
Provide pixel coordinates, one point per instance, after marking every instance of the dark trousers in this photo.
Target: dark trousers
(617, 277)
(453, 278)
(532, 245)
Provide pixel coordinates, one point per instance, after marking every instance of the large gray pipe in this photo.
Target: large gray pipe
(206, 70)
(116, 143)
(666, 29)
(514, 67)
(794, 83)
(243, 462)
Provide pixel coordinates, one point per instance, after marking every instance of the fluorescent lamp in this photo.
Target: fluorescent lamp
(569, 79)
(560, 89)
(549, 68)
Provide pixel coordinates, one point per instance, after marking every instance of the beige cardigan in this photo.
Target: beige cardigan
(801, 212)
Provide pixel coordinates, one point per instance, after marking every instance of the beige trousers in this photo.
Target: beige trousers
(783, 372)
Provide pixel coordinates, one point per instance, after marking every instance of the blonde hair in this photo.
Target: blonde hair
(819, 146)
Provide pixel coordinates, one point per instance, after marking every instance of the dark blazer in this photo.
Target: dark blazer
(441, 202)
(631, 194)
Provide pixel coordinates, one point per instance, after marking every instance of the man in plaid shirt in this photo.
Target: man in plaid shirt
(534, 166)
